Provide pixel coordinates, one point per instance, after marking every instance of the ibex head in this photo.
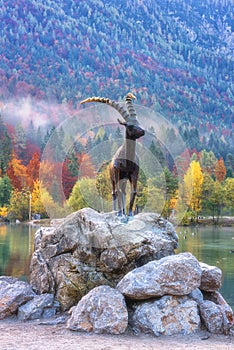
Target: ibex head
(133, 129)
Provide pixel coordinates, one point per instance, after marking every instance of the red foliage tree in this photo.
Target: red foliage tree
(68, 180)
(17, 173)
(33, 169)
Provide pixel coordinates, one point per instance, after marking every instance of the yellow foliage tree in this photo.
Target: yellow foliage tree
(229, 190)
(37, 204)
(192, 191)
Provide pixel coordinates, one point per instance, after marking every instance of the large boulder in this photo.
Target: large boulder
(166, 316)
(13, 294)
(174, 275)
(88, 249)
(102, 310)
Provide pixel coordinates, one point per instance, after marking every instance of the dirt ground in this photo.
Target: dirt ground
(15, 335)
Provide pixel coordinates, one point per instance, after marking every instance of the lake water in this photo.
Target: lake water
(211, 245)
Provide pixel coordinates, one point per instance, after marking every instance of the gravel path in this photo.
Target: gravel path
(15, 335)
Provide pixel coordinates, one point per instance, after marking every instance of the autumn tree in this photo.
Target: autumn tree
(193, 180)
(37, 195)
(220, 170)
(17, 173)
(33, 170)
(19, 205)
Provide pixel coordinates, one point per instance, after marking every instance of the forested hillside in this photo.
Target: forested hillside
(176, 56)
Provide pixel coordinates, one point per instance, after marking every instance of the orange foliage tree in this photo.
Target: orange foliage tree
(220, 170)
(17, 173)
(33, 169)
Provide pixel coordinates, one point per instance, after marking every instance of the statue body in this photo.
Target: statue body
(125, 163)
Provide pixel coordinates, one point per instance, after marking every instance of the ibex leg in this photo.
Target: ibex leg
(114, 201)
(132, 198)
(114, 195)
(122, 197)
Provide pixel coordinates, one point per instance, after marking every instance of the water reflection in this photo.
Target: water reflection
(212, 245)
(16, 247)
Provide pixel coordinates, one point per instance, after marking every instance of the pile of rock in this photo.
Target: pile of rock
(112, 276)
(161, 297)
(88, 249)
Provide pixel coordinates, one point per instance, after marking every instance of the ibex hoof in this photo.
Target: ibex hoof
(124, 219)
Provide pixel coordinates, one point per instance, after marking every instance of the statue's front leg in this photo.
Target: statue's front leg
(114, 200)
(132, 198)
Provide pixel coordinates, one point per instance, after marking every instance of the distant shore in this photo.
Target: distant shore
(226, 221)
(210, 221)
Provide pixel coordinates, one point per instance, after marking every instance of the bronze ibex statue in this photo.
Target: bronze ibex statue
(124, 165)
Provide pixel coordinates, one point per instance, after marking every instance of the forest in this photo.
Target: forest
(206, 186)
(175, 56)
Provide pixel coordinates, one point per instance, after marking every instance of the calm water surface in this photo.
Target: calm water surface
(16, 247)
(208, 244)
(213, 246)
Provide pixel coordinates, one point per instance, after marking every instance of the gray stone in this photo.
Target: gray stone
(88, 249)
(167, 316)
(212, 317)
(175, 275)
(221, 319)
(102, 310)
(13, 293)
(41, 306)
(211, 279)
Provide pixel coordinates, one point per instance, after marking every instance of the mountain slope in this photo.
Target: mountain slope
(177, 56)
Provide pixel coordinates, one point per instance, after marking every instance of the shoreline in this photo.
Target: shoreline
(225, 221)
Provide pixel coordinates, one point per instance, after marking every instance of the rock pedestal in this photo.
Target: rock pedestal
(88, 249)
